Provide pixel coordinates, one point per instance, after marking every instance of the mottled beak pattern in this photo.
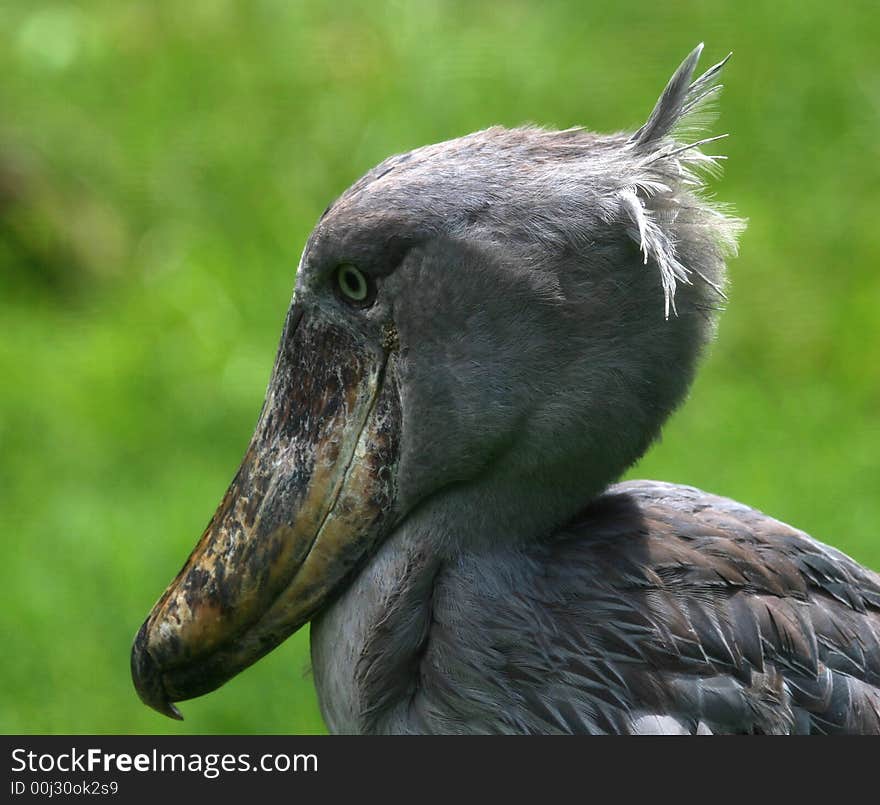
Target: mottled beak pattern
(314, 494)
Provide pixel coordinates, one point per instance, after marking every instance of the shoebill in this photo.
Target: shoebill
(484, 335)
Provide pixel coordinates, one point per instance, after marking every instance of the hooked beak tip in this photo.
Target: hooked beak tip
(147, 678)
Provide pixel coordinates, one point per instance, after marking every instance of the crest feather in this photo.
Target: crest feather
(667, 170)
(681, 98)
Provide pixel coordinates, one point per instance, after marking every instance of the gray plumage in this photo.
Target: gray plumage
(543, 363)
(660, 608)
(430, 482)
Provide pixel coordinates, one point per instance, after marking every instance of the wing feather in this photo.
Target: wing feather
(660, 609)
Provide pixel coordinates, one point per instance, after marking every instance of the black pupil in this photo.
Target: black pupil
(353, 284)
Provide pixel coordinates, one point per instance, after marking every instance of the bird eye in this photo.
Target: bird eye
(353, 285)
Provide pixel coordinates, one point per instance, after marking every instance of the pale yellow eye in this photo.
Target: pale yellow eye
(352, 284)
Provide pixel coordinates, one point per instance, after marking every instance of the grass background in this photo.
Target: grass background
(161, 165)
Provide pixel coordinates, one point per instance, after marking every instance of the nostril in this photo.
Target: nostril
(147, 677)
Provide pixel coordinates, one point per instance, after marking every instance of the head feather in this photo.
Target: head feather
(667, 173)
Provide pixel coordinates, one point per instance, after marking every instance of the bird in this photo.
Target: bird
(485, 335)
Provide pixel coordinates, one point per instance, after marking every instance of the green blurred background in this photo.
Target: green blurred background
(161, 165)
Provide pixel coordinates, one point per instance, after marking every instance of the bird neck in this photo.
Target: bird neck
(367, 644)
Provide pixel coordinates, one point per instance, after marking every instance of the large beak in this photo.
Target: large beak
(313, 495)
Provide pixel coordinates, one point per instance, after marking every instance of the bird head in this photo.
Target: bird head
(483, 334)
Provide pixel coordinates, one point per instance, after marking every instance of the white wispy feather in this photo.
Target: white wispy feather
(665, 161)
